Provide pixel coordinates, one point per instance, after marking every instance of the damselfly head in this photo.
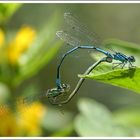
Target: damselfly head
(132, 58)
(53, 92)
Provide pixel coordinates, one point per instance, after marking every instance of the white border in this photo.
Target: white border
(98, 2)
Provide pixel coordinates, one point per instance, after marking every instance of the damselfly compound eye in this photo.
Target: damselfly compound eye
(53, 92)
(132, 58)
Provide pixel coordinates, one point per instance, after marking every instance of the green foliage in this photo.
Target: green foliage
(119, 77)
(63, 132)
(30, 60)
(7, 10)
(57, 122)
(129, 117)
(94, 117)
(41, 51)
(96, 120)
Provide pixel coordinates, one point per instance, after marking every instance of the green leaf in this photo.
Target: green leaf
(120, 44)
(57, 122)
(66, 131)
(96, 120)
(129, 117)
(118, 77)
(4, 93)
(7, 10)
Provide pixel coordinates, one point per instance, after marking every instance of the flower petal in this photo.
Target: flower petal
(2, 38)
(22, 41)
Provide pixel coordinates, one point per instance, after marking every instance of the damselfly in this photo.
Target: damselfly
(77, 43)
(86, 40)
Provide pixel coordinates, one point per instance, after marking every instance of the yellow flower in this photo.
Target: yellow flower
(18, 45)
(2, 38)
(30, 117)
(22, 41)
(8, 123)
(25, 122)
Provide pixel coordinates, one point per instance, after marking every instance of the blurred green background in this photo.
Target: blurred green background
(34, 71)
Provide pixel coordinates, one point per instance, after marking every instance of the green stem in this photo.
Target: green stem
(80, 82)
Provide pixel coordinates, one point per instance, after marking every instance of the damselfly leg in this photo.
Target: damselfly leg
(115, 65)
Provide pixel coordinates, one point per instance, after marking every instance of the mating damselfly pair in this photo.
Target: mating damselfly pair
(79, 37)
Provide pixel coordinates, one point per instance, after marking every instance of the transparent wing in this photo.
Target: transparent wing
(74, 33)
(80, 31)
(71, 40)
